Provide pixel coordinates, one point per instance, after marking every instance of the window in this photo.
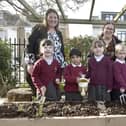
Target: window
(122, 35)
(109, 17)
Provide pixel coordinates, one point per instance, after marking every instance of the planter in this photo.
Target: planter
(114, 120)
(61, 114)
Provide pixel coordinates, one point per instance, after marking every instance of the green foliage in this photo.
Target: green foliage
(82, 43)
(6, 79)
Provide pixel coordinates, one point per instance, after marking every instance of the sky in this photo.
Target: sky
(84, 12)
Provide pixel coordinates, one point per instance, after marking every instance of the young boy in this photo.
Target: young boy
(100, 73)
(119, 72)
(71, 74)
(46, 72)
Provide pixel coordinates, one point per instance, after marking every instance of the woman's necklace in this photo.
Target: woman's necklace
(107, 41)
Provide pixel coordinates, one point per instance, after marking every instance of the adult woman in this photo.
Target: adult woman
(109, 39)
(50, 31)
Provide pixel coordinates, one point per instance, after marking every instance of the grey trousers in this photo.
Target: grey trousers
(52, 93)
(98, 93)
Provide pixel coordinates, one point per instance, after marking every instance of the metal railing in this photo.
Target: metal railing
(17, 59)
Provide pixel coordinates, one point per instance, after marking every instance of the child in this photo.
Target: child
(119, 72)
(71, 74)
(100, 73)
(46, 72)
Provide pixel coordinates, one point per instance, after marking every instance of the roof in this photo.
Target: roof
(32, 14)
(8, 19)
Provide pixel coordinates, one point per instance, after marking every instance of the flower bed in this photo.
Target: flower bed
(57, 109)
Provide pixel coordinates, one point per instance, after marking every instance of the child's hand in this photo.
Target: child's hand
(108, 91)
(82, 75)
(43, 90)
(122, 90)
(78, 79)
(57, 81)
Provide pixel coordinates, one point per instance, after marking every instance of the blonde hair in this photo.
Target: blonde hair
(120, 48)
(98, 43)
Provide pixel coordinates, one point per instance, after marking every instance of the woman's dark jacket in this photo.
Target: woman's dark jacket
(39, 33)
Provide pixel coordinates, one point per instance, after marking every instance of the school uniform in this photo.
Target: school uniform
(100, 74)
(119, 75)
(40, 32)
(71, 72)
(45, 74)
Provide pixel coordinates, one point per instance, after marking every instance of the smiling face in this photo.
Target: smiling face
(47, 50)
(120, 52)
(76, 59)
(52, 20)
(98, 51)
(98, 47)
(121, 55)
(108, 30)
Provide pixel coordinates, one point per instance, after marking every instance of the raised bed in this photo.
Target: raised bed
(61, 114)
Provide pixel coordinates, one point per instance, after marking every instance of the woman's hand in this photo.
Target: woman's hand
(30, 68)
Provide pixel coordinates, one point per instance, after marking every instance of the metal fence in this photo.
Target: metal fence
(18, 47)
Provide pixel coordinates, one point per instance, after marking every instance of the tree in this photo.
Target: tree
(40, 6)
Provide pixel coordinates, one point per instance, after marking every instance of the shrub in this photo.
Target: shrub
(82, 43)
(6, 79)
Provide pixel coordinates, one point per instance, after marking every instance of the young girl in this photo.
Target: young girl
(72, 73)
(46, 72)
(100, 73)
(119, 72)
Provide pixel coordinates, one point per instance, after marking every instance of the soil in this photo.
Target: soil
(58, 109)
(114, 108)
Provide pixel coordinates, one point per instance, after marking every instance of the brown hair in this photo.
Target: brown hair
(46, 42)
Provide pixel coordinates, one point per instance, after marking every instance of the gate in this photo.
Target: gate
(18, 48)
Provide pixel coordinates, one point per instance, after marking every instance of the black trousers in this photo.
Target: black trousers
(73, 96)
(52, 93)
(29, 81)
(115, 95)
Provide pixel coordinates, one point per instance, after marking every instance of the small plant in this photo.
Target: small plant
(24, 85)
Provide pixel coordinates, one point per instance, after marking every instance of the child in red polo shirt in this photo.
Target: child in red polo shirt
(72, 73)
(46, 72)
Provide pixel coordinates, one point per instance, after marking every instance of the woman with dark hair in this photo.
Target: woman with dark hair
(49, 30)
(109, 39)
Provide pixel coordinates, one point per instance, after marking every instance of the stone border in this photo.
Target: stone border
(111, 120)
